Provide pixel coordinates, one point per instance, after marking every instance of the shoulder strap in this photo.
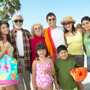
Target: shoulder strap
(4, 43)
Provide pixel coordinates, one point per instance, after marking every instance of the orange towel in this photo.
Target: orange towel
(50, 43)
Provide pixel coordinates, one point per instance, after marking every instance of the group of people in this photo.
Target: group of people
(48, 54)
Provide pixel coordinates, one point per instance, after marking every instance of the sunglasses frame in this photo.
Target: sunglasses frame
(37, 28)
(16, 20)
(52, 19)
(67, 23)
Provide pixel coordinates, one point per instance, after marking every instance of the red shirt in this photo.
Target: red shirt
(33, 43)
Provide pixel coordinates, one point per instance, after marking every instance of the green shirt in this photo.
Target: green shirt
(63, 68)
(86, 42)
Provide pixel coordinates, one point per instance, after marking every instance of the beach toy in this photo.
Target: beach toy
(79, 74)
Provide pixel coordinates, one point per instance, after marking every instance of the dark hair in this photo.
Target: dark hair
(50, 14)
(73, 29)
(85, 18)
(8, 35)
(61, 47)
(41, 46)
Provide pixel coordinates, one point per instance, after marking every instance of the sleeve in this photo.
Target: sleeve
(28, 33)
(56, 68)
(30, 45)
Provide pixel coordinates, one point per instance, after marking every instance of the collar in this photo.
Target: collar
(38, 36)
(14, 30)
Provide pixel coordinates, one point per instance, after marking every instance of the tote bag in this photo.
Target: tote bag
(8, 70)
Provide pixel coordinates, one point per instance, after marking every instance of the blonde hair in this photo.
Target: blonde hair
(32, 27)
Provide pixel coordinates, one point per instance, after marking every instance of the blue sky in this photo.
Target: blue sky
(36, 11)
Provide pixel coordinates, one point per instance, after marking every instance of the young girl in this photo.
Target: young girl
(42, 69)
(4, 35)
(74, 40)
(86, 38)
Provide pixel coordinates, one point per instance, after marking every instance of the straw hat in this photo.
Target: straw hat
(67, 19)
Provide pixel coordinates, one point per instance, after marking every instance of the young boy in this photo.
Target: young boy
(63, 66)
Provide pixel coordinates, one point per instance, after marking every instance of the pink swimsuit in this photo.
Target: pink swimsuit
(43, 80)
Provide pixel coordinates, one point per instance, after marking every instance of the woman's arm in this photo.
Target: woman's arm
(52, 72)
(6, 47)
(81, 30)
(34, 74)
(65, 40)
(84, 49)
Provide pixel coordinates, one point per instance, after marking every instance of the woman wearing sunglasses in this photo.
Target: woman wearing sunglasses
(37, 31)
(74, 42)
(4, 36)
(86, 38)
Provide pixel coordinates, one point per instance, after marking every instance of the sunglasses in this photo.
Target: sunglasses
(52, 19)
(66, 23)
(16, 20)
(37, 28)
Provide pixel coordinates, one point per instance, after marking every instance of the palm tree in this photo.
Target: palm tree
(8, 8)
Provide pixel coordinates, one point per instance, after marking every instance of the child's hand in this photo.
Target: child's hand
(46, 71)
(57, 86)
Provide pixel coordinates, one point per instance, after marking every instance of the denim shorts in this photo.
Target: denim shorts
(88, 64)
(78, 58)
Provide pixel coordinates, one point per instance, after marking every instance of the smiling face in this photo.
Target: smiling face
(4, 29)
(86, 25)
(37, 30)
(51, 20)
(18, 22)
(63, 54)
(68, 25)
(41, 52)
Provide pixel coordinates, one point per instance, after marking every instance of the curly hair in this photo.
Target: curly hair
(32, 27)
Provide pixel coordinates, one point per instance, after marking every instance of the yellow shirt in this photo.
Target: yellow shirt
(9, 51)
(75, 44)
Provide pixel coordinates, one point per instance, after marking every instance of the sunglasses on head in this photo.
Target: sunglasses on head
(16, 20)
(37, 28)
(52, 19)
(67, 23)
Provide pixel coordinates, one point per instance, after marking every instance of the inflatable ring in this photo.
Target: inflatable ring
(79, 74)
